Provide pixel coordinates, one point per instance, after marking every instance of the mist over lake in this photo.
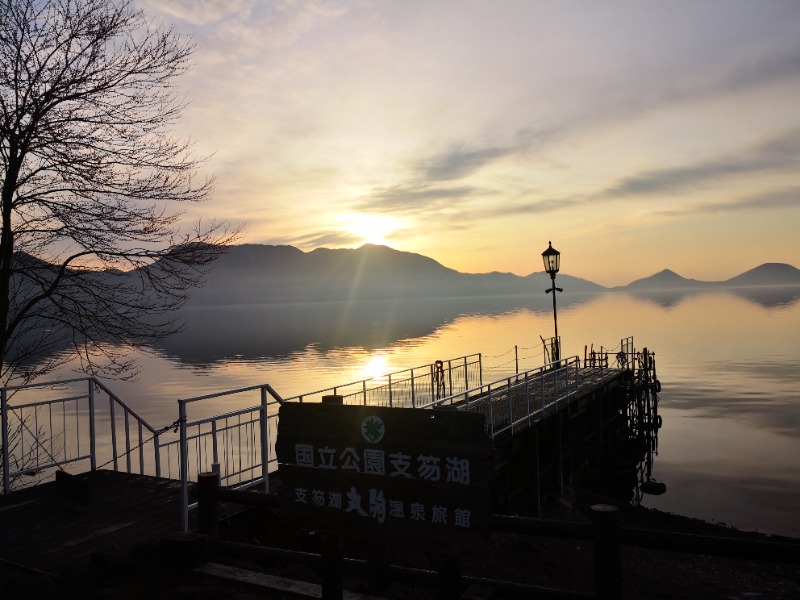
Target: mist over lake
(728, 361)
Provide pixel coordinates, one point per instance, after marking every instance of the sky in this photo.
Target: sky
(635, 136)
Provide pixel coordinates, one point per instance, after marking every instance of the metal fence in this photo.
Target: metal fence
(526, 396)
(237, 444)
(417, 387)
(623, 356)
(48, 425)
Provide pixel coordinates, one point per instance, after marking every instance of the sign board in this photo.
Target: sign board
(416, 474)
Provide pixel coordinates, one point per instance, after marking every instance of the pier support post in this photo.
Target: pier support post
(207, 509)
(332, 565)
(449, 577)
(607, 564)
(378, 562)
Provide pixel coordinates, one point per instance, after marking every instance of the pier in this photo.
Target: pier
(548, 425)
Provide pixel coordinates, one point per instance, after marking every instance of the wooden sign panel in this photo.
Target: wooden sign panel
(420, 475)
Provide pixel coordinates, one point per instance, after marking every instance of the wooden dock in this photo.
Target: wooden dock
(54, 525)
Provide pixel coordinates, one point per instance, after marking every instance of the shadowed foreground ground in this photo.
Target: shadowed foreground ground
(564, 564)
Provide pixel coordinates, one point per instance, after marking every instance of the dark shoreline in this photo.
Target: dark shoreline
(540, 561)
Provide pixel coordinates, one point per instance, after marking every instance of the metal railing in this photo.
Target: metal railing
(508, 402)
(417, 387)
(623, 356)
(241, 443)
(238, 443)
(410, 388)
(50, 432)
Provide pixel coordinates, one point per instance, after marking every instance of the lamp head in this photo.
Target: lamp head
(552, 259)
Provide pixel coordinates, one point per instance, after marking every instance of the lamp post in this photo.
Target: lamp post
(552, 262)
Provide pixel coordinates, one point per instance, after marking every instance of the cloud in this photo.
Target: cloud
(464, 120)
(422, 188)
(200, 12)
(759, 72)
(730, 80)
(458, 163)
(777, 154)
(772, 155)
(422, 191)
(406, 198)
(767, 201)
(321, 239)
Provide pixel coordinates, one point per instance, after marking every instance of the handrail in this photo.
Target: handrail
(548, 368)
(232, 392)
(47, 434)
(516, 390)
(50, 384)
(128, 409)
(394, 376)
(264, 438)
(252, 451)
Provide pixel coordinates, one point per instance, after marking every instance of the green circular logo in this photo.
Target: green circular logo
(373, 429)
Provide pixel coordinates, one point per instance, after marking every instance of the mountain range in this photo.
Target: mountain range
(260, 300)
(768, 274)
(255, 273)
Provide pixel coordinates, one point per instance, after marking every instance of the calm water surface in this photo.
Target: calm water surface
(729, 364)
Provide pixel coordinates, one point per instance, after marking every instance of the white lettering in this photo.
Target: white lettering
(350, 460)
(429, 468)
(304, 455)
(377, 505)
(457, 470)
(354, 502)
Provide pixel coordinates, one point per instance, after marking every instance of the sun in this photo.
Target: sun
(372, 229)
(375, 368)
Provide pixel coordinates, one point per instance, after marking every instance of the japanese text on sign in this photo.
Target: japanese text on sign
(375, 461)
(373, 504)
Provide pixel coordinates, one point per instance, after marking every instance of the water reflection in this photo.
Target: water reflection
(664, 298)
(728, 362)
(252, 332)
(767, 297)
(377, 367)
(764, 393)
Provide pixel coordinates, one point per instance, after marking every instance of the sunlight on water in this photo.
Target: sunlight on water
(729, 366)
(376, 368)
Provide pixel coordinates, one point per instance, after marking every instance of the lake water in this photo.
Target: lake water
(728, 361)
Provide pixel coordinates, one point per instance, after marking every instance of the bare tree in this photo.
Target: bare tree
(94, 256)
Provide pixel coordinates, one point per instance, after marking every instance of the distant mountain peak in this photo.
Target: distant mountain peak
(662, 279)
(767, 274)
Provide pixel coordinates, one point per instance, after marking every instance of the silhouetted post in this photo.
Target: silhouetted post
(207, 509)
(378, 562)
(449, 577)
(332, 563)
(607, 565)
